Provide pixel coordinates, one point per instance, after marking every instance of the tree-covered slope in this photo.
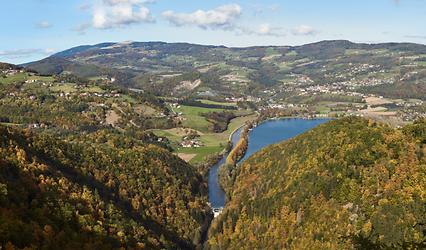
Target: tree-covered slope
(93, 195)
(348, 184)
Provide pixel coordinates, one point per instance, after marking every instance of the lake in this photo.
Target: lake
(267, 133)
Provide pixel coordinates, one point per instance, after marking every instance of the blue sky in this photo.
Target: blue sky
(34, 29)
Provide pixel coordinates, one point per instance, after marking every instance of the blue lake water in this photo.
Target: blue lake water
(267, 133)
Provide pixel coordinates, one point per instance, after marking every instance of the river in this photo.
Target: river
(267, 133)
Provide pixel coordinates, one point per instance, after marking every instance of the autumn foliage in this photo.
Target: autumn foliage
(98, 192)
(347, 184)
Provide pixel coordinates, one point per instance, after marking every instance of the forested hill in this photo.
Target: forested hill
(87, 195)
(348, 184)
(8, 66)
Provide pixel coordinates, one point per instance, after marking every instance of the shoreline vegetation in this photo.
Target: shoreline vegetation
(227, 172)
(238, 151)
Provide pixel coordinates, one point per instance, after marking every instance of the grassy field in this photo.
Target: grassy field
(200, 153)
(193, 118)
(93, 89)
(64, 87)
(214, 143)
(323, 110)
(20, 77)
(46, 79)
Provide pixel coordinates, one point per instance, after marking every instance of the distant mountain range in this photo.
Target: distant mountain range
(231, 70)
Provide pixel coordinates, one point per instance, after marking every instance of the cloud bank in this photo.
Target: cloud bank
(43, 25)
(120, 13)
(304, 30)
(222, 17)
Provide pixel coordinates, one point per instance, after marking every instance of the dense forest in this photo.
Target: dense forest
(348, 184)
(103, 191)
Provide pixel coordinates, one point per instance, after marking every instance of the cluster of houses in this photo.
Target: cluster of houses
(96, 94)
(283, 106)
(89, 94)
(37, 125)
(175, 105)
(412, 110)
(12, 72)
(242, 99)
(411, 115)
(189, 142)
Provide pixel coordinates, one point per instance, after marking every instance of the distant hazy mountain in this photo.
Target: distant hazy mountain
(233, 69)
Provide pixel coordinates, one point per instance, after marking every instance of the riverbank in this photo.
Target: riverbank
(234, 131)
(239, 150)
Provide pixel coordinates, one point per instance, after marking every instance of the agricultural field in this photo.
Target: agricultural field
(192, 117)
(22, 77)
(64, 87)
(212, 143)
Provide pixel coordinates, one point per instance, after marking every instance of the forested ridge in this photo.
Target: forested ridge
(94, 193)
(348, 184)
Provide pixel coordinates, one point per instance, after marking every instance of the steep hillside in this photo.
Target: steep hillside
(96, 195)
(348, 184)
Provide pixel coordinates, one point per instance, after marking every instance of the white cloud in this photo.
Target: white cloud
(267, 30)
(120, 13)
(222, 17)
(43, 25)
(264, 29)
(304, 30)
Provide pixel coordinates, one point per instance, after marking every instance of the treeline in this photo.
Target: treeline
(197, 103)
(414, 89)
(240, 149)
(276, 112)
(348, 184)
(219, 120)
